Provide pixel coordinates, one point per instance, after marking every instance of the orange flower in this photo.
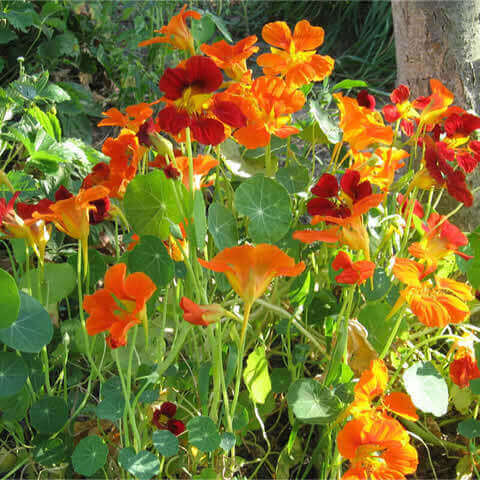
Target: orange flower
(353, 273)
(176, 33)
(202, 164)
(202, 315)
(231, 58)
(267, 104)
(250, 269)
(349, 230)
(134, 117)
(378, 449)
(71, 216)
(135, 240)
(124, 152)
(380, 166)
(434, 305)
(361, 126)
(295, 58)
(440, 240)
(464, 367)
(371, 387)
(118, 306)
(435, 105)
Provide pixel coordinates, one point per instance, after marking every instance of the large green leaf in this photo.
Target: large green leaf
(469, 428)
(9, 299)
(151, 257)
(266, 203)
(427, 388)
(165, 442)
(150, 205)
(89, 455)
(13, 374)
(203, 434)
(49, 414)
(312, 402)
(33, 328)
(327, 125)
(143, 465)
(256, 375)
(294, 179)
(57, 282)
(223, 226)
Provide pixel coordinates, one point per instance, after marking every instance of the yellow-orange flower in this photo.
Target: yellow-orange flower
(231, 58)
(380, 166)
(250, 269)
(435, 105)
(378, 449)
(120, 305)
(134, 117)
(176, 33)
(434, 305)
(295, 58)
(361, 126)
(268, 105)
(371, 387)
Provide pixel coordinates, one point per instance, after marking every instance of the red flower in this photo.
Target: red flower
(188, 92)
(163, 419)
(202, 315)
(353, 273)
(364, 99)
(463, 369)
(329, 202)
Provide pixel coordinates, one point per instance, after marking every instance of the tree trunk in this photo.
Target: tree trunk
(442, 40)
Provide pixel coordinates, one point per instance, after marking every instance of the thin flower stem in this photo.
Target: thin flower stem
(188, 143)
(82, 316)
(126, 394)
(269, 171)
(241, 351)
(393, 333)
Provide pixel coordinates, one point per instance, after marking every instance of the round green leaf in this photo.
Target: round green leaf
(15, 408)
(266, 203)
(222, 225)
(151, 257)
(281, 379)
(58, 282)
(165, 442)
(469, 428)
(427, 388)
(144, 465)
(33, 328)
(13, 374)
(49, 452)
(312, 402)
(9, 299)
(150, 204)
(227, 441)
(49, 414)
(89, 455)
(203, 434)
(294, 179)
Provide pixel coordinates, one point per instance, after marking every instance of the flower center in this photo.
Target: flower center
(191, 101)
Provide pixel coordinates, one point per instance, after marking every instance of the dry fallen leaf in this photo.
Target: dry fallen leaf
(360, 352)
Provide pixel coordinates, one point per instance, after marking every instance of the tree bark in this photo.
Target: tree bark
(442, 40)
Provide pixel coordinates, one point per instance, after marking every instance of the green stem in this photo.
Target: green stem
(188, 142)
(128, 405)
(269, 171)
(393, 333)
(82, 316)
(46, 370)
(241, 352)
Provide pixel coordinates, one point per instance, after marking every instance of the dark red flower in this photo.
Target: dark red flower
(145, 129)
(189, 90)
(352, 186)
(25, 210)
(365, 99)
(163, 419)
(102, 206)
